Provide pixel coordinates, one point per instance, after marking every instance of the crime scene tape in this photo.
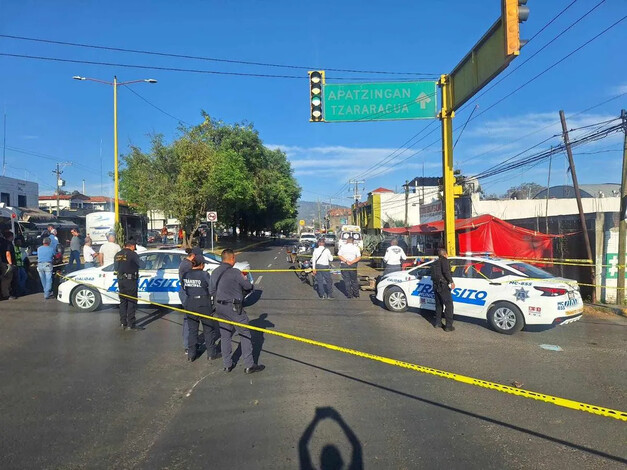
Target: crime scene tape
(558, 401)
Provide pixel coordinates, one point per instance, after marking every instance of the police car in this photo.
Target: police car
(509, 294)
(90, 288)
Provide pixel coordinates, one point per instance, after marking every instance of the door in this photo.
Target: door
(151, 278)
(421, 294)
(170, 270)
(471, 287)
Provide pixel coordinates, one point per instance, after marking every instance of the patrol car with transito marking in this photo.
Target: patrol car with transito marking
(509, 294)
(158, 280)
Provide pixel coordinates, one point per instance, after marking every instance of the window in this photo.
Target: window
(6, 198)
(150, 261)
(172, 261)
(21, 200)
(531, 271)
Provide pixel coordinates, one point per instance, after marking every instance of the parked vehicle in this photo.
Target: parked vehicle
(99, 224)
(347, 231)
(508, 294)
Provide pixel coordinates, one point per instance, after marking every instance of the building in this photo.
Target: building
(338, 217)
(77, 202)
(18, 193)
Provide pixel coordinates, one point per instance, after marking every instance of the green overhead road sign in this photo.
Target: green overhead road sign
(379, 101)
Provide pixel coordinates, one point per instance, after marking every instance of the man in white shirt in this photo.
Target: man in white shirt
(394, 255)
(108, 250)
(89, 255)
(350, 255)
(321, 259)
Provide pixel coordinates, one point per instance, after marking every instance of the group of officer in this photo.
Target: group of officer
(224, 291)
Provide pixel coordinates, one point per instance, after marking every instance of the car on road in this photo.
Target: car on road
(508, 294)
(307, 237)
(329, 239)
(90, 288)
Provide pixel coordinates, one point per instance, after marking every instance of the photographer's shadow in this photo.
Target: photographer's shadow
(330, 456)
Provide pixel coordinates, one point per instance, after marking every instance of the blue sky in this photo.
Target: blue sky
(61, 119)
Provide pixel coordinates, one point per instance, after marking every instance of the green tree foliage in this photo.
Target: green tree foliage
(214, 166)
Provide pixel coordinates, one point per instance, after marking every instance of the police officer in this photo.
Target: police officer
(322, 259)
(196, 285)
(394, 255)
(349, 255)
(443, 284)
(126, 264)
(228, 287)
(184, 268)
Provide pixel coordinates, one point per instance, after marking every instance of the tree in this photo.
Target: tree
(213, 166)
(523, 191)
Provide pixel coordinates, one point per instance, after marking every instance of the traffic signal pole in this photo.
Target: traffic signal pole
(448, 179)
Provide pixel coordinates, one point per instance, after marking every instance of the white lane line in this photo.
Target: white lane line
(270, 265)
(275, 257)
(258, 281)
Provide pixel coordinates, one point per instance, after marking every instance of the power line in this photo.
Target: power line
(155, 106)
(211, 59)
(48, 157)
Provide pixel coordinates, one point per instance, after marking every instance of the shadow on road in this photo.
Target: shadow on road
(330, 457)
(257, 337)
(456, 410)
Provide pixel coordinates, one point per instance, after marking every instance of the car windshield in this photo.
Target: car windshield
(530, 270)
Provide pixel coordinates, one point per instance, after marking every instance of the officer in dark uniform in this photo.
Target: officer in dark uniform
(126, 264)
(442, 285)
(196, 285)
(228, 288)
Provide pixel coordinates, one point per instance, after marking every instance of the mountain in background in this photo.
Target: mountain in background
(308, 210)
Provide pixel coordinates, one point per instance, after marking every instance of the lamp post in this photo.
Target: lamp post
(115, 84)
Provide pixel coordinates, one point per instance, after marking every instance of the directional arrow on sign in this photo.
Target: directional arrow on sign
(423, 99)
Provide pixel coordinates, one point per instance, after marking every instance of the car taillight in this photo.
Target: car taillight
(551, 291)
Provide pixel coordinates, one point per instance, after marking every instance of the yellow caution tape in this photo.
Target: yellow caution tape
(563, 402)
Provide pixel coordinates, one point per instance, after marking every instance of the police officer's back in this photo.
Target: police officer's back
(228, 289)
(196, 286)
(442, 285)
(126, 264)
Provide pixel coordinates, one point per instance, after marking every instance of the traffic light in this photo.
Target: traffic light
(316, 80)
(514, 12)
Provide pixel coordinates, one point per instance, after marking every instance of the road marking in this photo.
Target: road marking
(554, 400)
(275, 257)
(270, 265)
(258, 280)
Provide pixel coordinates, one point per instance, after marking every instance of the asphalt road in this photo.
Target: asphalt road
(76, 392)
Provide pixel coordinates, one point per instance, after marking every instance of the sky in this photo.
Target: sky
(51, 118)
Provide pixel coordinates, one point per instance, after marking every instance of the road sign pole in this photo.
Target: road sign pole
(448, 180)
(212, 236)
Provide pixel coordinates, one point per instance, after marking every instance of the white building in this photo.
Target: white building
(18, 193)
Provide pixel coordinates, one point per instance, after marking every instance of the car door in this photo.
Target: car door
(471, 287)
(421, 294)
(151, 278)
(171, 284)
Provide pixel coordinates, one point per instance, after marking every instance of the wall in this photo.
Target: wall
(610, 271)
(510, 209)
(15, 187)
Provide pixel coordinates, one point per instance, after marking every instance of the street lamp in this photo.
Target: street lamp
(115, 85)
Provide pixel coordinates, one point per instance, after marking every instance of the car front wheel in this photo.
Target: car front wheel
(86, 299)
(395, 299)
(506, 318)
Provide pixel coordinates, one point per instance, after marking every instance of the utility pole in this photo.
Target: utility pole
(319, 221)
(446, 115)
(622, 223)
(4, 147)
(582, 216)
(406, 186)
(356, 197)
(58, 171)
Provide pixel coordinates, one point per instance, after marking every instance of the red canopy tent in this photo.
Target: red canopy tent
(487, 233)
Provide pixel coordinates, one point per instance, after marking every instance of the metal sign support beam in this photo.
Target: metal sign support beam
(446, 115)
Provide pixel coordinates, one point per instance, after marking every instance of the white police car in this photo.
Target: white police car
(509, 294)
(158, 281)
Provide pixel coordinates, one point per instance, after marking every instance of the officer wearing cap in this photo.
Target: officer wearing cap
(228, 288)
(126, 264)
(184, 267)
(196, 286)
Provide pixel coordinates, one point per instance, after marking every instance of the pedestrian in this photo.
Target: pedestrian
(203, 238)
(126, 264)
(22, 263)
(164, 235)
(349, 255)
(196, 285)
(89, 255)
(12, 260)
(54, 241)
(108, 250)
(6, 268)
(442, 285)
(228, 287)
(45, 254)
(180, 236)
(393, 258)
(184, 268)
(75, 251)
(321, 259)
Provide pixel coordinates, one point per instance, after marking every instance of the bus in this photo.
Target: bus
(99, 224)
